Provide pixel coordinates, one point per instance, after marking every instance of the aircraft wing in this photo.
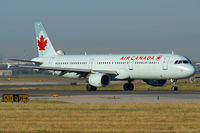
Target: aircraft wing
(65, 70)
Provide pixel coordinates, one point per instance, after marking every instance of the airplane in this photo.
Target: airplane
(99, 70)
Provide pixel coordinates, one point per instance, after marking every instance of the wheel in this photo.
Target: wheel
(90, 88)
(94, 88)
(175, 88)
(129, 87)
(125, 87)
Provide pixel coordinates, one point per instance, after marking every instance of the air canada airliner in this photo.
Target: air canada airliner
(99, 70)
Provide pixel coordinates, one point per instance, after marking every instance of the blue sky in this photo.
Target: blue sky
(104, 26)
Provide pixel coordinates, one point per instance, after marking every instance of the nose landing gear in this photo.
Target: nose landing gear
(174, 87)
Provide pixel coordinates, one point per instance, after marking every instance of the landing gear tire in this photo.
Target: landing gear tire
(90, 88)
(175, 88)
(128, 87)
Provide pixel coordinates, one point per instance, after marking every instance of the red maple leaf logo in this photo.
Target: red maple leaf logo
(158, 58)
(41, 43)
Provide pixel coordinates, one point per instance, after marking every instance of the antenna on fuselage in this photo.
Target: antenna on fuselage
(172, 52)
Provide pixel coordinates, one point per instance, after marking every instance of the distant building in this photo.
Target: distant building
(198, 67)
(1, 59)
(12, 69)
(5, 73)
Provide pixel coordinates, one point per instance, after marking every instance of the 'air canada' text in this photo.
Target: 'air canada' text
(141, 58)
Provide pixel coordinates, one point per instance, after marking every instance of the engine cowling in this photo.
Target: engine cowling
(155, 82)
(99, 80)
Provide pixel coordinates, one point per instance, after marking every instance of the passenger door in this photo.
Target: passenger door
(165, 63)
(130, 65)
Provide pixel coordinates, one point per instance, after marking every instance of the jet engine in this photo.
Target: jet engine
(155, 82)
(61, 52)
(99, 80)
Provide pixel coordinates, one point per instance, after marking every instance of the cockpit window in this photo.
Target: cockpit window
(176, 62)
(181, 62)
(188, 60)
(185, 62)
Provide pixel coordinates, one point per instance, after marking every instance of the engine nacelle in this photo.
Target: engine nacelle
(61, 52)
(99, 80)
(155, 82)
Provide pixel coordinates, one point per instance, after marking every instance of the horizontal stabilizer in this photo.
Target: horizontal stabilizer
(30, 61)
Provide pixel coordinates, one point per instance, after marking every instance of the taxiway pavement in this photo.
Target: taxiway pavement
(81, 96)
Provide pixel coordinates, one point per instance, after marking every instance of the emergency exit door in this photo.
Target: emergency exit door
(90, 64)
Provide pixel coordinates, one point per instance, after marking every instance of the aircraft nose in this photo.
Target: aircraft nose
(190, 71)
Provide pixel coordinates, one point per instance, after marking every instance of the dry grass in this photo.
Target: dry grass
(43, 116)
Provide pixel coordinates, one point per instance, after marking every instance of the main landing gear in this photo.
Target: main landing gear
(90, 88)
(128, 86)
(174, 87)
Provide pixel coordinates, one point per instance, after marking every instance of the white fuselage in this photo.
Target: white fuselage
(128, 66)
